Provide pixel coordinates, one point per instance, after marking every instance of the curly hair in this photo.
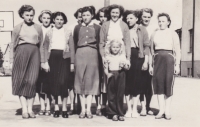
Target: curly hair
(25, 8)
(109, 45)
(104, 10)
(136, 13)
(167, 16)
(55, 14)
(91, 9)
(147, 10)
(114, 6)
(77, 11)
(44, 12)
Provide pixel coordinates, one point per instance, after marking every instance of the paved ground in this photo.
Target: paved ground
(185, 110)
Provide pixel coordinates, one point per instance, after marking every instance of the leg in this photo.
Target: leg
(48, 106)
(142, 101)
(71, 95)
(82, 101)
(129, 108)
(98, 103)
(89, 102)
(23, 104)
(161, 101)
(135, 103)
(56, 107)
(42, 103)
(30, 107)
(168, 101)
(64, 107)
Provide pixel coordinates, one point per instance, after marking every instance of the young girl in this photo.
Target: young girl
(42, 85)
(115, 65)
(59, 55)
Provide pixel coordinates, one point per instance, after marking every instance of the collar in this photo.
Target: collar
(55, 29)
(90, 24)
(112, 22)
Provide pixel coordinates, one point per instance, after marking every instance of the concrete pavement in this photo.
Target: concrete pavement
(185, 110)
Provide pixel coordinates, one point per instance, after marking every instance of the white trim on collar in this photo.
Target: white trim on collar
(91, 23)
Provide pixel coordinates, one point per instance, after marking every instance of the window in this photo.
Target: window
(191, 40)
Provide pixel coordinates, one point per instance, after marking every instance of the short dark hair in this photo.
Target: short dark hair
(25, 8)
(77, 11)
(104, 10)
(55, 14)
(114, 6)
(136, 13)
(44, 12)
(167, 16)
(147, 10)
(91, 9)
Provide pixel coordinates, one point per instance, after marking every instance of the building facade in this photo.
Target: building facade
(190, 35)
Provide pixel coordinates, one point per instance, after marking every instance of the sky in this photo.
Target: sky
(172, 7)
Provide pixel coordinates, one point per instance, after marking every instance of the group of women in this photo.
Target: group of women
(117, 57)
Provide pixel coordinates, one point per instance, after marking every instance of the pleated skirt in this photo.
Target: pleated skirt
(87, 71)
(135, 76)
(163, 75)
(59, 75)
(25, 71)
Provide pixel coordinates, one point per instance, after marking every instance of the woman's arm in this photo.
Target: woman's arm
(177, 48)
(12, 43)
(102, 40)
(127, 41)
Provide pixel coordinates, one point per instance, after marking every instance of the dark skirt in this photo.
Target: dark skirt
(163, 75)
(42, 83)
(87, 71)
(25, 71)
(136, 77)
(59, 74)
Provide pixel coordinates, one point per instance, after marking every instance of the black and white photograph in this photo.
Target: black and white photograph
(133, 63)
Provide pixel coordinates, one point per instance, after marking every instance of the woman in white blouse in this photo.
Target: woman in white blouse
(164, 63)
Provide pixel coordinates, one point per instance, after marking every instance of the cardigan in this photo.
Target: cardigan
(76, 36)
(68, 51)
(15, 39)
(126, 38)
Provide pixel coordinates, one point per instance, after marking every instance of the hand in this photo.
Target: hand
(72, 67)
(177, 69)
(145, 66)
(109, 75)
(150, 70)
(45, 66)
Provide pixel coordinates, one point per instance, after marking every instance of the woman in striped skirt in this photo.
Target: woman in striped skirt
(25, 56)
(59, 58)
(165, 49)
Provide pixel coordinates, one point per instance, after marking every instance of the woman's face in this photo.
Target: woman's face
(79, 18)
(131, 20)
(59, 22)
(87, 17)
(46, 19)
(163, 22)
(102, 17)
(146, 18)
(115, 48)
(28, 16)
(115, 13)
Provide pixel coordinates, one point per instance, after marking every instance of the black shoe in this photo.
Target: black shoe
(56, 114)
(121, 118)
(115, 118)
(64, 114)
(168, 117)
(160, 116)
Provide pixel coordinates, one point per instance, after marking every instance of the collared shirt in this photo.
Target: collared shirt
(58, 39)
(134, 36)
(44, 30)
(114, 31)
(28, 34)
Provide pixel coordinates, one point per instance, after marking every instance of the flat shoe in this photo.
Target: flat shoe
(128, 114)
(143, 113)
(89, 115)
(64, 114)
(150, 112)
(56, 114)
(25, 115)
(70, 112)
(47, 113)
(160, 116)
(121, 118)
(168, 117)
(82, 115)
(32, 115)
(41, 112)
(115, 118)
(98, 112)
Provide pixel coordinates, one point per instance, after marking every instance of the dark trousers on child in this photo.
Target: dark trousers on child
(115, 93)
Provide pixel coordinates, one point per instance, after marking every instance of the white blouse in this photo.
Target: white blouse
(114, 31)
(58, 39)
(44, 30)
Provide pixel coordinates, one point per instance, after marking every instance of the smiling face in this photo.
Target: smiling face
(87, 17)
(146, 18)
(79, 17)
(115, 48)
(102, 17)
(163, 22)
(28, 16)
(59, 21)
(115, 13)
(46, 19)
(131, 20)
